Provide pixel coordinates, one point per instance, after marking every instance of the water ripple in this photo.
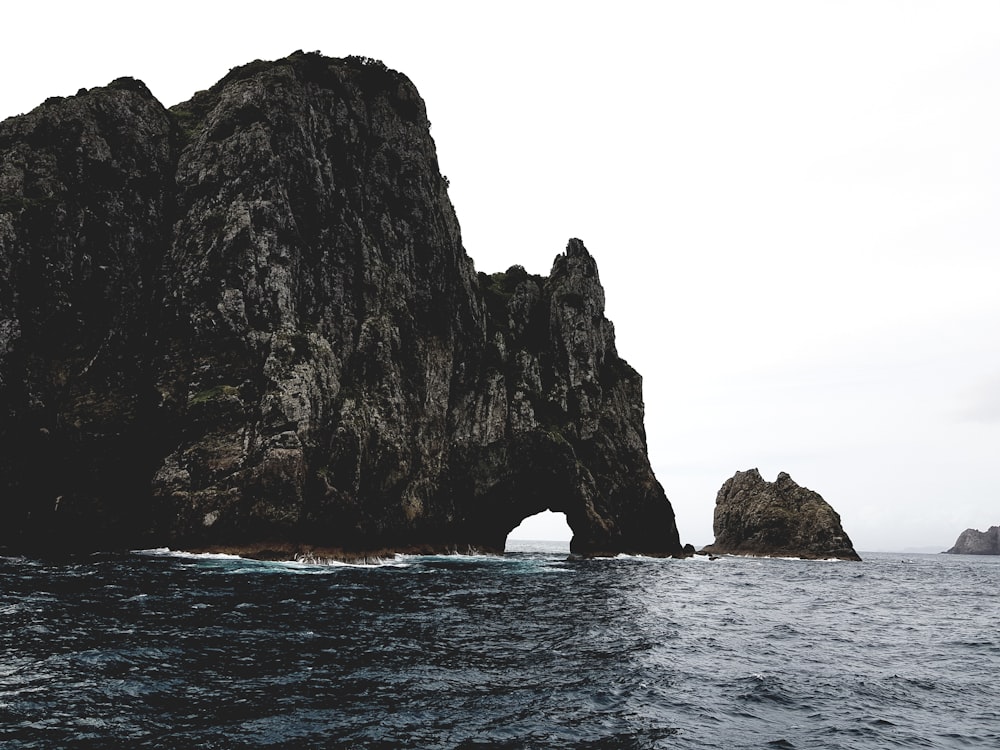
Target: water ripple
(161, 651)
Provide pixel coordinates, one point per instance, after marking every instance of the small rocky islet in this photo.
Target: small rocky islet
(776, 519)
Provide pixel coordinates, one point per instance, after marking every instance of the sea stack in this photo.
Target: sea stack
(249, 322)
(975, 542)
(776, 519)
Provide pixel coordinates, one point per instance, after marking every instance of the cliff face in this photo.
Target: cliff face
(776, 519)
(86, 190)
(975, 542)
(250, 321)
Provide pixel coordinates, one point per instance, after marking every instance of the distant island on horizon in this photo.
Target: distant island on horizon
(975, 542)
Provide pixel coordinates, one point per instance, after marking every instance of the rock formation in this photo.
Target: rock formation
(249, 321)
(776, 519)
(975, 542)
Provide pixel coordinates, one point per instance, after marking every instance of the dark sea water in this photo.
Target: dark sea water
(525, 651)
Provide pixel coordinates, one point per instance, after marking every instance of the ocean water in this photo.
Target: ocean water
(530, 650)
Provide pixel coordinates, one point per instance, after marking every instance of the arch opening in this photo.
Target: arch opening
(547, 529)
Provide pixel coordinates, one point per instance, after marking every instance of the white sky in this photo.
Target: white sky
(793, 207)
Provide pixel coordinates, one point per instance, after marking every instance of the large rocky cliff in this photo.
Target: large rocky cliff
(250, 321)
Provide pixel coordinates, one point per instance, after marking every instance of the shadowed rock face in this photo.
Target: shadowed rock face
(776, 519)
(86, 202)
(975, 542)
(250, 321)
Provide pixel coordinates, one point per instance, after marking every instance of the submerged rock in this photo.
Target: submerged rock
(250, 321)
(975, 542)
(776, 519)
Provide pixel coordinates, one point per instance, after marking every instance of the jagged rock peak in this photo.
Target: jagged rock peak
(576, 248)
(975, 542)
(250, 321)
(776, 519)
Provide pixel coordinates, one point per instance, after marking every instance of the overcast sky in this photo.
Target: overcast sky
(793, 207)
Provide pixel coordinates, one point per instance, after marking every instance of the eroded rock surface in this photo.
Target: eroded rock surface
(975, 542)
(86, 205)
(776, 519)
(250, 321)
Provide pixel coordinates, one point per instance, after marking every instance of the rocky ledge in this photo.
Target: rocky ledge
(249, 321)
(776, 519)
(975, 542)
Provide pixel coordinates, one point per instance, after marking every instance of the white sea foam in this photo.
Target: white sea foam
(457, 557)
(762, 558)
(638, 558)
(308, 562)
(300, 564)
(181, 554)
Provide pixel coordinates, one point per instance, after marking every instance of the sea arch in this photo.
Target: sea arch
(612, 501)
(507, 483)
(547, 526)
